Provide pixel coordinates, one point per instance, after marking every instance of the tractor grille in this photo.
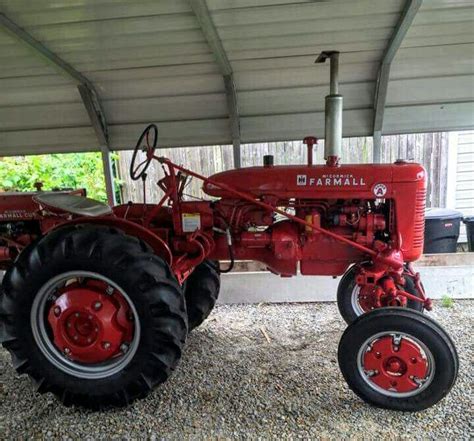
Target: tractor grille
(419, 225)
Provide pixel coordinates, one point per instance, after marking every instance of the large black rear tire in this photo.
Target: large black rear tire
(201, 292)
(146, 281)
(416, 368)
(347, 296)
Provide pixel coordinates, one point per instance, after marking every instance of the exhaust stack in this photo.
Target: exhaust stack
(333, 111)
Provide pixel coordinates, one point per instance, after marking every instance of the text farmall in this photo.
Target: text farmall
(335, 180)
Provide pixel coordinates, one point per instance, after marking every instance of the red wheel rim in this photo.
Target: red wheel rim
(90, 322)
(85, 324)
(396, 364)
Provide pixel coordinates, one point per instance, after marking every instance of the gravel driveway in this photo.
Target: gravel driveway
(239, 381)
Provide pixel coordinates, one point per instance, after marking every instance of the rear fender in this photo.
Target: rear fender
(159, 246)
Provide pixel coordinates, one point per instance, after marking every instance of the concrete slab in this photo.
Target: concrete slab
(442, 259)
(256, 287)
(446, 274)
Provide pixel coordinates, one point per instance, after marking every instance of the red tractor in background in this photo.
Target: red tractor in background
(22, 221)
(98, 301)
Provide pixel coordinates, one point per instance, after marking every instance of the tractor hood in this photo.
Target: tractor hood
(317, 181)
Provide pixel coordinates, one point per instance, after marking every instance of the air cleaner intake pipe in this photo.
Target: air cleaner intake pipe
(333, 111)
(310, 141)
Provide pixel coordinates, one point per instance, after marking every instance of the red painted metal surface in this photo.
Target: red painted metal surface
(319, 219)
(396, 368)
(5, 253)
(404, 184)
(22, 221)
(310, 141)
(384, 293)
(20, 206)
(348, 214)
(89, 323)
(158, 245)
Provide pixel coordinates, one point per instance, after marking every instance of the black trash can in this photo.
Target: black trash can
(469, 221)
(441, 230)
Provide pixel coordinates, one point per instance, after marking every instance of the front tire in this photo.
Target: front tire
(348, 296)
(93, 316)
(398, 359)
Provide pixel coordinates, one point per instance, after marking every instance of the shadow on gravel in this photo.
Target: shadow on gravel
(235, 381)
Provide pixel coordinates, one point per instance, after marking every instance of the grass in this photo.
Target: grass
(447, 301)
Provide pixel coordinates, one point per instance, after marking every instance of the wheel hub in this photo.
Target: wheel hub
(395, 365)
(373, 297)
(91, 323)
(369, 297)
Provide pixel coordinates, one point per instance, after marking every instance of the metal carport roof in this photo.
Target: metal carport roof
(166, 62)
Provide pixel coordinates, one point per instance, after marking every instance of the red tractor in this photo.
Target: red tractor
(22, 221)
(97, 306)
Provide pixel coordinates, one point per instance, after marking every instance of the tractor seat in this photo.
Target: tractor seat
(73, 204)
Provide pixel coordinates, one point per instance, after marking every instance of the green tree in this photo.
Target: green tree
(71, 170)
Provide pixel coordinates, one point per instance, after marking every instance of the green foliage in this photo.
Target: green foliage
(446, 301)
(72, 170)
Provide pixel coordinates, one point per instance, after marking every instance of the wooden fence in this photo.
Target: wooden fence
(429, 149)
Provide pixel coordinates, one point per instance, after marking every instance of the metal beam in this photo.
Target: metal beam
(97, 118)
(108, 175)
(234, 117)
(404, 23)
(88, 93)
(96, 115)
(201, 11)
(42, 50)
(203, 16)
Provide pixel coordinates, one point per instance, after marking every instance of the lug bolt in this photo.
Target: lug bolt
(106, 345)
(89, 340)
(418, 381)
(97, 306)
(77, 314)
(67, 351)
(124, 347)
(109, 290)
(396, 339)
(75, 337)
(57, 311)
(68, 325)
(413, 360)
(378, 355)
(89, 317)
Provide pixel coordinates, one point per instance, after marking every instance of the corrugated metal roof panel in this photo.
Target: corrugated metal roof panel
(303, 99)
(47, 12)
(149, 61)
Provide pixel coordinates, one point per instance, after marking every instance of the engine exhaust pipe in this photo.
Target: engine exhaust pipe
(333, 111)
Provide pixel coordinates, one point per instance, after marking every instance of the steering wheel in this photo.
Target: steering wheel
(150, 135)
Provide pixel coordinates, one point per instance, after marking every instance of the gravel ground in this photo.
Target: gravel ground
(234, 383)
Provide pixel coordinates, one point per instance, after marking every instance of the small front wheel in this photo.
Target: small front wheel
(353, 301)
(398, 359)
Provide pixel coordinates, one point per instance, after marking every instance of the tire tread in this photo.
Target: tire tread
(100, 245)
